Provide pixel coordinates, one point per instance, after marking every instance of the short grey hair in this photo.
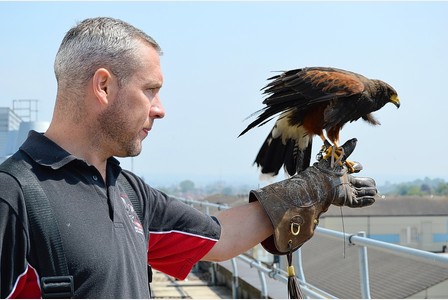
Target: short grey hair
(95, 43)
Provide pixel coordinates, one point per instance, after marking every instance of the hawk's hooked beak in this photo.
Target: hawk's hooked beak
(394, 99)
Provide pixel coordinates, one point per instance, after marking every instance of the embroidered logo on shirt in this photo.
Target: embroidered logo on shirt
(132, 216)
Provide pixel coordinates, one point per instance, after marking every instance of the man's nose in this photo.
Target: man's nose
(157, 111)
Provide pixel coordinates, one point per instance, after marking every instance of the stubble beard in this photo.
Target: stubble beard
(114, 132)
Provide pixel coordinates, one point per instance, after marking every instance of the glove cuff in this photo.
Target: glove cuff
(293, 208)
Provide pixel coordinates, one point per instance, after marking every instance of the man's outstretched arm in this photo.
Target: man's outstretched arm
(242, 228)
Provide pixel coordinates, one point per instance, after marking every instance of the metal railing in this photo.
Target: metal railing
(359, 239)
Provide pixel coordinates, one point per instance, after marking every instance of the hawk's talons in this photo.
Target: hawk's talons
(351, 166)
(336, 154)
(325, 148)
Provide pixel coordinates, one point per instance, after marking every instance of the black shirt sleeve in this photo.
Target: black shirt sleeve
(14, 238)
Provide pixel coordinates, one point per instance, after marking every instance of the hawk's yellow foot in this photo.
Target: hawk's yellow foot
(351, 166)
(337, 153)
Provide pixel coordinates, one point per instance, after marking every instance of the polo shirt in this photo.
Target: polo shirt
(107, 247)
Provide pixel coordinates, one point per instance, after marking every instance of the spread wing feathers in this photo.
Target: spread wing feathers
(300, 88)
(313, 85)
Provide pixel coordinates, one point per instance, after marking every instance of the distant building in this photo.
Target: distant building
(416, 222)
(15, 124)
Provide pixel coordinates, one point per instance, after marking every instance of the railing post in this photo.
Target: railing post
(207, 208)
(300, 274)
(212, 271)
(364, 269)
(299, 268)
(235, 286)
(264, 286)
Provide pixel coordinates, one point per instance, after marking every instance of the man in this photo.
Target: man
(109, 77)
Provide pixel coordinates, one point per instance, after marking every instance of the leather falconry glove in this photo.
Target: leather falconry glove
(294, 205)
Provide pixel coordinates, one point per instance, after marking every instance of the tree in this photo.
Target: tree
(186, 186)
(442, 189)
(426, 188)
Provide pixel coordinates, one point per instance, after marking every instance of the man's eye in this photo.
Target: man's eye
(150, 93)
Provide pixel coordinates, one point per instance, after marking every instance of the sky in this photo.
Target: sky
(218, 56)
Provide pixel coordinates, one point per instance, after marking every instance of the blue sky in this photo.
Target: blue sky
(217, 57)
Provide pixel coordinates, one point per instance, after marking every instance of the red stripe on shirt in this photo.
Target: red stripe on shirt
(175, 252)
(27, 285)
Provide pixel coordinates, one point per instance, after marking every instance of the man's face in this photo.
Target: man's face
(130, 117)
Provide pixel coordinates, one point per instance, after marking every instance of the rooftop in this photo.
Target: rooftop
(396, 206)
(333, 266)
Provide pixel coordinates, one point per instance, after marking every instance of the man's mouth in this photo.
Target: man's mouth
(146, 132)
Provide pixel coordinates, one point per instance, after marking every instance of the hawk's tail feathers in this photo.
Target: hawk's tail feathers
(274, 154)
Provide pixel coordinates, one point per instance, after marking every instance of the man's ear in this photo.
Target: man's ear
(102, 84)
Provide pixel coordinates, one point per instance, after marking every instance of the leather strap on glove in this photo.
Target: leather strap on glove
(294, 205)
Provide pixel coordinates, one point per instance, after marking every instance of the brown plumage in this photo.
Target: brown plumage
(310, 101)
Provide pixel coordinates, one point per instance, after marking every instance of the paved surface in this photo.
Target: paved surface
(195, 286)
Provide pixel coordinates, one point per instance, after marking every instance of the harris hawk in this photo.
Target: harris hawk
(310, 101)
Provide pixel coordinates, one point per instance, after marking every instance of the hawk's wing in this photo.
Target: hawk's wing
(300, 89)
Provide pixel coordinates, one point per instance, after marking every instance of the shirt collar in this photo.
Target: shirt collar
(47, 153)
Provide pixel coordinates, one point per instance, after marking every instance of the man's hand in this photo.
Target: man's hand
(294, 205)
